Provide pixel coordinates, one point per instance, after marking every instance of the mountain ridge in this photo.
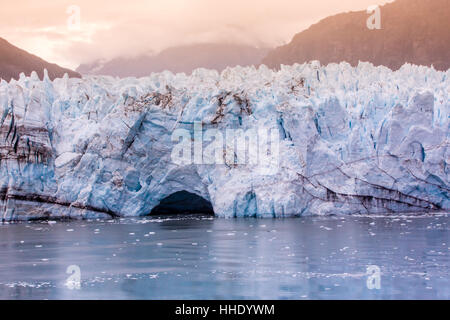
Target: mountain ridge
(177, 59)
(15, 61)
(412, 31)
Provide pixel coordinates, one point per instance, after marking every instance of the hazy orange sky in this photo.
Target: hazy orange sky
(110, 28)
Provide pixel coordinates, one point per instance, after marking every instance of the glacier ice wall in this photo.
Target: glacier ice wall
(352, 140)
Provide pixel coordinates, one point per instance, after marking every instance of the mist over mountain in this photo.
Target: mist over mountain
(14, 61)
(412, 31)
(179, 59)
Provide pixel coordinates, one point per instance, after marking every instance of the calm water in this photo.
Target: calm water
(205, 258)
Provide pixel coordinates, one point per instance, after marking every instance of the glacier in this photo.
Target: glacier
(353, 140)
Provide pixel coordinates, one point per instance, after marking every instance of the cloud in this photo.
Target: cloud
(127, 28)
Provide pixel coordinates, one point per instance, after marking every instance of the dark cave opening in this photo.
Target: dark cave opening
(183, 202)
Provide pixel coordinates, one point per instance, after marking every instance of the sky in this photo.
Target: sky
(71, 32)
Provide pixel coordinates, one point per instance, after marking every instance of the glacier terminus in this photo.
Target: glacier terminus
(350, 140)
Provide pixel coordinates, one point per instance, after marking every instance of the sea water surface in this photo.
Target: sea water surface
(201, 257)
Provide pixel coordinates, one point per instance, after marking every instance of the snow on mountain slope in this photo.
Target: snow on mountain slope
(352, 140)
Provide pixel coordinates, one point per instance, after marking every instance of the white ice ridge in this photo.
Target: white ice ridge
(353, 140)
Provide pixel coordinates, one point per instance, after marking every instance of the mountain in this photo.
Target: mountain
(179, 59)
(14, 60)
(412, 31)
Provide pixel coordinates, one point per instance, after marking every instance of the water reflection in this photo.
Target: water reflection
(199, 257)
